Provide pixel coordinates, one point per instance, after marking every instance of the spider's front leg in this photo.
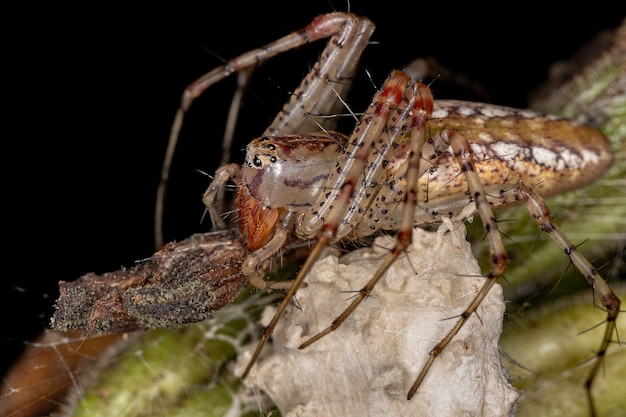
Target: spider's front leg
(331, 206)
(419, 106)
(317, 94)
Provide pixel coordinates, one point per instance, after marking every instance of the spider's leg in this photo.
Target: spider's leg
(464, 156)
(370, 126)
(349, 35)
(419, 107)
(541, 215)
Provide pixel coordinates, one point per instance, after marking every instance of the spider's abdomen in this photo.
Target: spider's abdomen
(552, 154)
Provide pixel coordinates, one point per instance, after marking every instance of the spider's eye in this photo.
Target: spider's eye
(257, 162)
(271, 147)
(273, 159)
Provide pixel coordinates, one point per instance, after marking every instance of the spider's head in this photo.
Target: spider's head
(290, 171)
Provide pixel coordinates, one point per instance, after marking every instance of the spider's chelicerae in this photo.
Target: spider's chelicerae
(410, 160)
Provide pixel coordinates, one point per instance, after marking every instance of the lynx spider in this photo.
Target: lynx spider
(405, 148)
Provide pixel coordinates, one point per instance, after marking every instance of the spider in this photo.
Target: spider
(410, 160)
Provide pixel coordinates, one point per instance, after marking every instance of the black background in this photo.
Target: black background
(90, 95)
